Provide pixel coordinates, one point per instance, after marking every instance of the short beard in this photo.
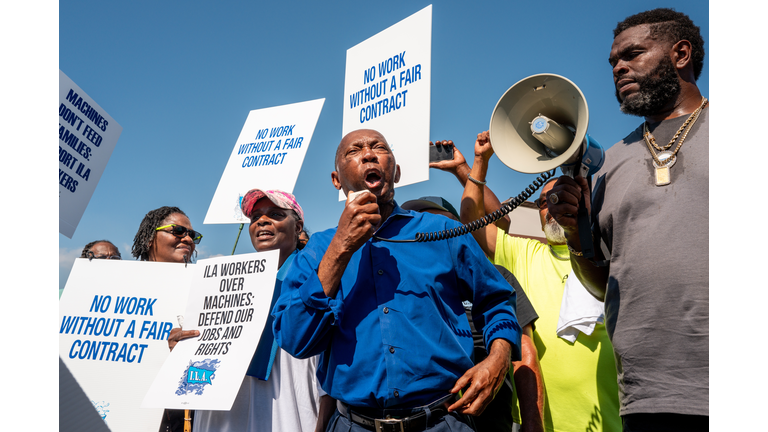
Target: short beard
(657, 89)
(554, 233)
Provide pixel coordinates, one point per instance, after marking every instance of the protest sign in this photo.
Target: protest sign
(228, 304)
(76, 412)
(267, 155)
(387, 86)
(115, 317)
(87, 136)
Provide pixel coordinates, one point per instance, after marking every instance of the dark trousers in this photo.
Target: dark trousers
(453, 422)
(664, 422)
(173, 420)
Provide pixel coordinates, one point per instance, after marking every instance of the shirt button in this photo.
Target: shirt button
(386, 309)
(397, 394)
(392, 350)
(381, 272)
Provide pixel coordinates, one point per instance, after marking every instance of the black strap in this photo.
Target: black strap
(585, 230)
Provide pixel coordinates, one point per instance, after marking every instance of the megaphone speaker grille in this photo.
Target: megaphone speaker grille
(549, 95)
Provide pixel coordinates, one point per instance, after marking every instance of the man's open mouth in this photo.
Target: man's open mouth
(372, 179)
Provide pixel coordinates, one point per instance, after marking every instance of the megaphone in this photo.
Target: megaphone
(540, 124)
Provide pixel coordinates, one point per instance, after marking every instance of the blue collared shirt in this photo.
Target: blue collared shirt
(261, 362)
(396, 335)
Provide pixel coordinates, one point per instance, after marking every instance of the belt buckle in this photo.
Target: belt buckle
(388, 425)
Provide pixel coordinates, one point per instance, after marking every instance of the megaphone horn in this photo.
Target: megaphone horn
(540, 124)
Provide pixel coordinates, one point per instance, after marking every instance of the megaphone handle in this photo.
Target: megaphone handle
(582, 217)
(585, 233)
(585, 230)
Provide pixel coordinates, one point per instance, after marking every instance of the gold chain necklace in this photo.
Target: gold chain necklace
(664, 160)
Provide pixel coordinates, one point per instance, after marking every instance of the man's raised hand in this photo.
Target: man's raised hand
(450, 166)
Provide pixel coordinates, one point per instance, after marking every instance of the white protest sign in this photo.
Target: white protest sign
(387, 86)
(228, 303)
(267, 155)
(87, 136)
(114, 318)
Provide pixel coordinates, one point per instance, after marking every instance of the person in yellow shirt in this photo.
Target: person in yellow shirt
(580, 377)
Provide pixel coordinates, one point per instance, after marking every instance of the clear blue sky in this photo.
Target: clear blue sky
(181, 77)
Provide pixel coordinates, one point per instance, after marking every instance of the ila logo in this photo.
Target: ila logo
(196, 376)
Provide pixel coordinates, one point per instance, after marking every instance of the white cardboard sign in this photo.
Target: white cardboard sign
(87, 136)
(267, 155)
(387, 86)
(114, 321)
(228, 303)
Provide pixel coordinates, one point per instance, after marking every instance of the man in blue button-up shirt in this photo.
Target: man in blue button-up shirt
(388, 317)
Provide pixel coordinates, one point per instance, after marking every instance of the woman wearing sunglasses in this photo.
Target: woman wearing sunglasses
(165, 235)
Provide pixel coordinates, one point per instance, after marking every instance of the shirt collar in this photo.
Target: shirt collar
(400, 212)
(396, 212)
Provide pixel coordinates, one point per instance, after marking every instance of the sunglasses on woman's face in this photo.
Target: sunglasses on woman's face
(180, 231)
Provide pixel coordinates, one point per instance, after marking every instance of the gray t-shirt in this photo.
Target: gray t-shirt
(657, 299)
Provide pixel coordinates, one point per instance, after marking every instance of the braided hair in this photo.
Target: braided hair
(147, 230)
(670, 26)
(88, 247)
(296, 218)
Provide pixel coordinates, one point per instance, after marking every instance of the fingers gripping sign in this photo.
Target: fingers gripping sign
(177, 335)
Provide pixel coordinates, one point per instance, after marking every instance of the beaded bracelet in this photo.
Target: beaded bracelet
(475, 181)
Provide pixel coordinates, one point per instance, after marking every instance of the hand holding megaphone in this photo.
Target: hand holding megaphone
(563, 202)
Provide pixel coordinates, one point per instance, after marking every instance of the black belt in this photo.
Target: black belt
(397, 420)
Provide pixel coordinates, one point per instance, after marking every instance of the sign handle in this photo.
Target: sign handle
(238, 238)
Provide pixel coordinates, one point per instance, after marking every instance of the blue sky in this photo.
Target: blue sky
(181, 77)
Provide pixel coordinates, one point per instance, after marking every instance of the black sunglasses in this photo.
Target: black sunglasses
(541, 202)
(180, 231)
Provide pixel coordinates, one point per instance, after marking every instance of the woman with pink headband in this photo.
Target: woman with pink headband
(279, 392)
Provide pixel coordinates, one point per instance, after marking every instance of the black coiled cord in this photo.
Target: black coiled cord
(504, 210)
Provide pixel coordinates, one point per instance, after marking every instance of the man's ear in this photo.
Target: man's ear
(397, 173)
(335, 180)
(681, 53)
